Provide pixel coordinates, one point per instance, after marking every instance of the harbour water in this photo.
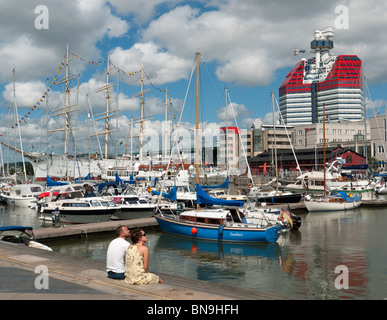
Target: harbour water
(312, 263)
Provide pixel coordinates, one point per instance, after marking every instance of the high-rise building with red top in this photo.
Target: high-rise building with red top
(325, 79)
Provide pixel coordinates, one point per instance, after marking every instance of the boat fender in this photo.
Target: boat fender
(194, 231)
(220, 230)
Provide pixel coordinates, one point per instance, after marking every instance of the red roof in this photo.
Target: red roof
(232, 129)
(346, 72)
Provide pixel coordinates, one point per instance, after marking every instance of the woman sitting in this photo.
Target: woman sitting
(137, 257)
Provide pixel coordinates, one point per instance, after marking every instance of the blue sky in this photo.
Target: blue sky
(247, 46)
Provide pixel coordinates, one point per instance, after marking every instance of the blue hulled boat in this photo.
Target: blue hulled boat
(217, 224)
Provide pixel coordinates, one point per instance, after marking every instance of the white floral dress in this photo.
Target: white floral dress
(134, 268)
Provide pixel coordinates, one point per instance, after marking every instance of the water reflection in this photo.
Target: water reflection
(331, 239)
(12, 216)
(211, 261)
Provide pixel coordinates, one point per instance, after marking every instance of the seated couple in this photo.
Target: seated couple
(130, 261)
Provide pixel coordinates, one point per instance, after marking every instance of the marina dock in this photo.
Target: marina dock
(83, 230)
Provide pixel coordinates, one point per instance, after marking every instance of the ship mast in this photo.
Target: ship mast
(68, 108)
(141, 119)
(107, 114)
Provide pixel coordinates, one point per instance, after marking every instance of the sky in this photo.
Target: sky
(245, 46)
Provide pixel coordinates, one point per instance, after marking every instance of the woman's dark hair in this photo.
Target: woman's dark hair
(135, 235)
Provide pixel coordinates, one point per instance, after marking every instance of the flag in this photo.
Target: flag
(285, 215)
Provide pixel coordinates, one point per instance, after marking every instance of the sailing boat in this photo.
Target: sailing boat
(22, 194)
(267, 194)
(336, 201)
(214, 224)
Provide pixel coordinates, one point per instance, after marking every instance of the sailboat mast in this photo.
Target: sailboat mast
(18, 127)
(142, 111)
(324, 150)
(107, 109)
(275, 144)
(225, 92)
(197, 117)
(166, 124)
(67, 90)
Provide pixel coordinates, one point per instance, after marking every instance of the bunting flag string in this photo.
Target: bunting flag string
(91, 62)
(54, 81)
(97, 62)
(23, 119)
(124, 72)
(169, 97)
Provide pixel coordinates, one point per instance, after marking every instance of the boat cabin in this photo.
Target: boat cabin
(215, 217)
(25, 190)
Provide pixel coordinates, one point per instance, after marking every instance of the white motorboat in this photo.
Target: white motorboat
(71, 205)
(86, 210)
(132, 205)
(22, 195)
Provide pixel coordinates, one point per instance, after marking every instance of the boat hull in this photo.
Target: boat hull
(293, 198)
(85, 216)
(316, 205)
(19, 202)
(130, 213)
(381, 189)
(218, 232)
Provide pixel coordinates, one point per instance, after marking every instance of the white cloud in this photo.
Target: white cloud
(143, 11)
(252, 39)
(234, 110)
(161, 66)
(37, 53)
(27, 93)
(27, 58)
(375, 105)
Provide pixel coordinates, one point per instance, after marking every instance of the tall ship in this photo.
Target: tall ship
(335, 81)
(67, 167)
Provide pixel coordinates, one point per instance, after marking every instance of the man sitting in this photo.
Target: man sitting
(115, 257)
